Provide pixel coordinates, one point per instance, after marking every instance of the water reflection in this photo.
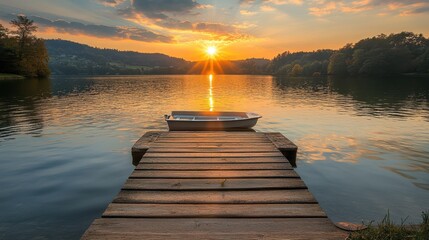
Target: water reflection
(381, 97)
(356, 139)
(19, 106)
(211, 99)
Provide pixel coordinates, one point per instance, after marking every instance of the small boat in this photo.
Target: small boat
(201, 120)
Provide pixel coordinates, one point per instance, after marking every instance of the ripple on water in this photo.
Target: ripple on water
(64, 142)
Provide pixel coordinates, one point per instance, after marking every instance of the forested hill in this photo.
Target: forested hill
(382, 55)
(66, 57)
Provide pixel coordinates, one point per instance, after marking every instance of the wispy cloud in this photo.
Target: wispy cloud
(247, 13)
(111, 3)
(383, 7)
(102, 31)
(267, 8)
(168, 15)
(323, 9)
(275, 2)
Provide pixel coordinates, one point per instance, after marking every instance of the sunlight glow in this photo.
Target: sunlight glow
(211, 51)
(211, 99)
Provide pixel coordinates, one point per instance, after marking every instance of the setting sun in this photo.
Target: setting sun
(211, 51)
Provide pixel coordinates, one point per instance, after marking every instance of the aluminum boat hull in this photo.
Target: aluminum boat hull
(209, 121)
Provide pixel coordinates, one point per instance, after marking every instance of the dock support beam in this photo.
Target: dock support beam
(285, 146)
(142, 145)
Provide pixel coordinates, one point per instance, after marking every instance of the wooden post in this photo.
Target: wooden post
(286, 146)
(142, 145)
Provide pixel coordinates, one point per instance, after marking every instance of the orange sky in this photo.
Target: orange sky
(239, 28)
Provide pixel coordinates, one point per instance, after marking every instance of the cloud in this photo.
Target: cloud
(214, 28)
(282, 2)
(325, 7)
(247, 13)
(274, 2)
(133, 33)
(267, 8)
(167, 14)
(111, 3)
(159, 9)
(323, 10)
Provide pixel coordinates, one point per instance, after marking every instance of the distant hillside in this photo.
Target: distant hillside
(68, 57)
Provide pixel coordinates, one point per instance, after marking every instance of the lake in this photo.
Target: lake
(65, 142)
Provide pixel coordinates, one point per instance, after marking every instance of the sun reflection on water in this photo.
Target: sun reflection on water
(211, 100)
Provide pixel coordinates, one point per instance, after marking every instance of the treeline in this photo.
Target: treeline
(68, 57)
(21, 52)
(382, 55)
(301, 63)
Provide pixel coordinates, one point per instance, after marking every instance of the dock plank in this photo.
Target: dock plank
(213, 140)
(214, 228)
(214, 184)
(214, 166)
(214, 154)
(214, 210)
(216, 196)
(211, 150)
(215, 174)
(212, 145)
(165, 160)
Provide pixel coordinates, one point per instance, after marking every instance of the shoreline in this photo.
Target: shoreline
(7, 76)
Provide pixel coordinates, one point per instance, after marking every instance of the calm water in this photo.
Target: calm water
(65, 142)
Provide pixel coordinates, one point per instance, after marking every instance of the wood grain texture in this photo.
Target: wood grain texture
(212, 154)
(211, 150)
(214, 228)
(214, 184)
(214, 210)
(281, 159)
(210, 134)
(214, 174)
(213, 140)
(216, 196)
(212, 145)
(214, 166)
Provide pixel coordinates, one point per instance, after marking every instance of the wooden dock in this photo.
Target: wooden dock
(214, 185)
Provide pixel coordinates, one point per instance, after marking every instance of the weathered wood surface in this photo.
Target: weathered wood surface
(214, 166)
(215, 154)
(214, 228)
(206, 149)
(216, 160)
(216, 196)
(214, 185)
(213, 210)
(286, 147)
(214, 174)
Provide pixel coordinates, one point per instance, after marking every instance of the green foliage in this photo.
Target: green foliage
(310, 62)
(3, 32)
(381, 55)
(73, 58)
(388, 230)
(296, 70)
(386, 55)
(21, 52)
(337, 64)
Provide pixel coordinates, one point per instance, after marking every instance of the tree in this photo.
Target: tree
(337, 64)
(357, 61)
(3, 32)
(24, 31)
(296, 70)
